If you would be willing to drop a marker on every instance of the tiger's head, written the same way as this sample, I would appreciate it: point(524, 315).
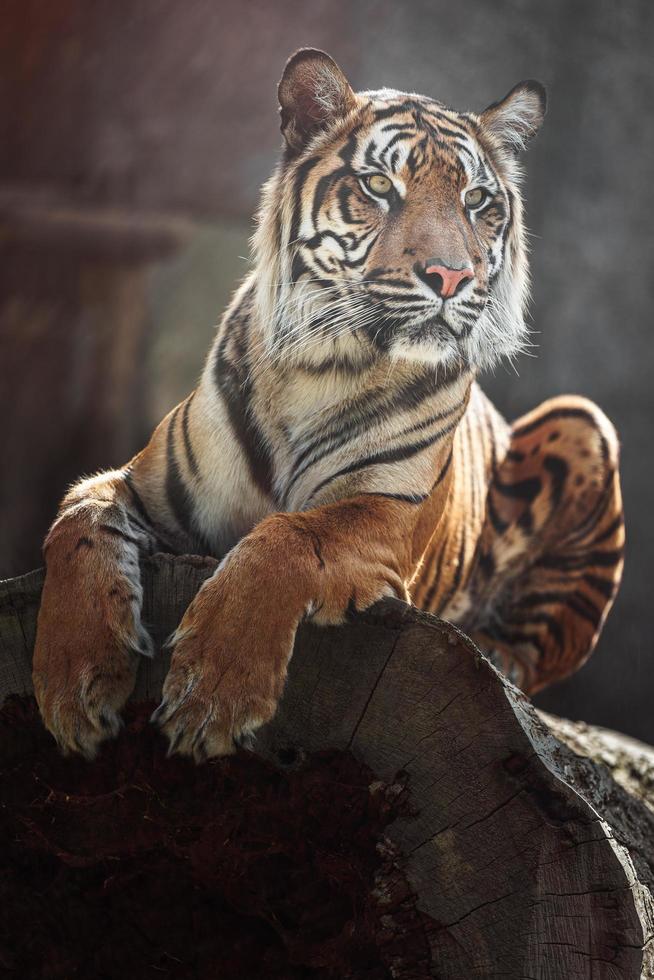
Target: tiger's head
point(393, 225)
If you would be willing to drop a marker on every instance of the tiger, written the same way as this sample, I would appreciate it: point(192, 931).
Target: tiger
point(338, 449)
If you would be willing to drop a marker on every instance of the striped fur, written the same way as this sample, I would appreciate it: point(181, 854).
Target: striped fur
point(338, 448)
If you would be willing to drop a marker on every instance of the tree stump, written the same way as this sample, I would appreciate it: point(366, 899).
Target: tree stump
point(530, 842)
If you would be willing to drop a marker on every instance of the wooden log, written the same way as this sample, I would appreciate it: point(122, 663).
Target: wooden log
point(530, 847)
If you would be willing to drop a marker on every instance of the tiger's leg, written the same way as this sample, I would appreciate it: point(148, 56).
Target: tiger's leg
point(550, 556)
point(89, 634)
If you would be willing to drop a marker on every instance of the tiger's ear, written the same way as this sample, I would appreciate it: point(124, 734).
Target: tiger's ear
point(519, 115)
point(313, 92)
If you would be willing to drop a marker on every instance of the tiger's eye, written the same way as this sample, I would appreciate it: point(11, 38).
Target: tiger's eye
point(379, 184)
point(474, 197)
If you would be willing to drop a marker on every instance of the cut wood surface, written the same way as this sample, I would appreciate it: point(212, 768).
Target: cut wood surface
point(531, 840)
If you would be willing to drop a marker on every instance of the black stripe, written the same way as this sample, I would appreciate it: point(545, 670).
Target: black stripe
point(558, 470)
point(190, 455)
point(486, 563)
point(608, 532)
point(392, 110)
point(146, 524)
point(390, 456)
point(399, 135)
point(347, 152)
point(457, 136)
point(324, 183)
point(443, 473)
point(301, 175)
point(527, 489)
point(513, 637)
point(138, 503)
point(380, 279)
point(425, 423)
point(416, 155)
point(338, 365)
point(595, 515)
point(489, 429)
point(499, 525)
point(456, 582)
point(235, 386)
point(369, 156)
point(407, 300)
point(526, 521)
point(117, 533)
point(605, 559)
point(584, 608)
point(355, 417)
point(355, 263)
point(577, 601)
point(176, 490)
point(604, 586)
point(553, 415)
point(414, 498)
point(569, 563)
point(431, 591)
point(298, 266)
point(552, 625)
point(547, 598)
point(404, 498)
point(343, 194)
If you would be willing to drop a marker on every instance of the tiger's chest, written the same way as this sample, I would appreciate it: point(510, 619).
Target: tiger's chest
point(382, 437)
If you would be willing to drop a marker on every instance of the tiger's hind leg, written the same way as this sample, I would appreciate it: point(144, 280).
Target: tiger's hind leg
point(550, 556)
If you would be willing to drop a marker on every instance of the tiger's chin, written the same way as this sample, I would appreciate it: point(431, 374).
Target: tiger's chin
point(429, 352)
point(475, 347)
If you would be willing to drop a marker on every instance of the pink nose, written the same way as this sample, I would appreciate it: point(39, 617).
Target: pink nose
point(450, 279)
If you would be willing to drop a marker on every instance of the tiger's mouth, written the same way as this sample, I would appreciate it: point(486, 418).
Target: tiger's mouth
point(432, 335)
point(435, 331)
point(447, 338)
point(474, 335)
point(440, 325)
point(456, 331)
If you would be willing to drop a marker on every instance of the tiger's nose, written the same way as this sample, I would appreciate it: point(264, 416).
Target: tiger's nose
point(443, 279)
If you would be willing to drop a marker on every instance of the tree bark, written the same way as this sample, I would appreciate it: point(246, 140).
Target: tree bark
point(530, 847)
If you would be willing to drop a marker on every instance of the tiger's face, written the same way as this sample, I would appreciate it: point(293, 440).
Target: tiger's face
point(396, 223)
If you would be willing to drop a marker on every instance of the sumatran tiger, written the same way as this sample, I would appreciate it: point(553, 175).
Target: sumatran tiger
point(338, 449)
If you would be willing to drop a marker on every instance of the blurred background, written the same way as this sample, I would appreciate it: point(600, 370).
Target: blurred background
point(134, 137)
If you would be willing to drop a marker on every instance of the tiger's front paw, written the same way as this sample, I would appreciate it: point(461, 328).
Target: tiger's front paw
point(209, 712)
point(82, 711)
point(84, 667)
point(215, 698)
point(226, 676)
